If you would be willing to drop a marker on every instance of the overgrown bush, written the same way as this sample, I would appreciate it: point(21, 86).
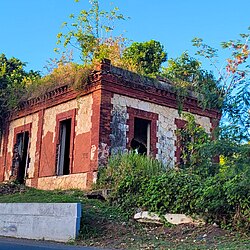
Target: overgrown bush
point(220, 196)
point(125, 174)
point(173, 191)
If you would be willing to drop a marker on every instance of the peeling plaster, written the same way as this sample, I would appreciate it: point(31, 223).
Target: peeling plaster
point(118, 128)
point(1, 145)
point(83, 117)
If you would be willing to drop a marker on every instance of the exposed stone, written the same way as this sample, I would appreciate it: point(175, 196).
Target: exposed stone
point(100, 194)
point(118, 129)
point(147, 217)
point(176, 219)
point(72, 181)
point(11, 188)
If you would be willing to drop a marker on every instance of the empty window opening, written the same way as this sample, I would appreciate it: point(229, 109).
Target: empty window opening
point(141, 140)
point(63, 150)
point(20, 160)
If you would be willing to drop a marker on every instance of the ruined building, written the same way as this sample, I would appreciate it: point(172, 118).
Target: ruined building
point(58, 140)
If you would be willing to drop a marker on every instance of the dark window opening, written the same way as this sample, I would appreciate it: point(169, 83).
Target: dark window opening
point(141, 140)
point(63, 148)
point(20, 157)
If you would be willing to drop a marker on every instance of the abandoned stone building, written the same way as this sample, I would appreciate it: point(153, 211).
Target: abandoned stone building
point(58, 140)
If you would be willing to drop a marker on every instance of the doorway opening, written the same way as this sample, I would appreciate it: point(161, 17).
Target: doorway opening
point(141, 140)
point(21, 151)
point(63, 150)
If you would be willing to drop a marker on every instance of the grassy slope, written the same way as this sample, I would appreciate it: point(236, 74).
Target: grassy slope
point(107, 226)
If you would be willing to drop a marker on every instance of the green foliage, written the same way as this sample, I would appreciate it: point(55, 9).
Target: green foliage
point(71, 74)
point(183, 70)
point(99, 219)
point(236, 113)
point(17, 85)
point(146, 57)
point(233, 82)
point(32, 195)
point(194, 143)
point(224, 198)
point(186, 74)
point(127, 171)
point(112, 49)
point(121, 165)
point(201, 185)
point(212, 202)
point(13, 82)
point(86, 32)
point(173, 191)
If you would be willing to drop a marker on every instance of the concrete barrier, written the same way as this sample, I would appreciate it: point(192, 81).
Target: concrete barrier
point(48, 221)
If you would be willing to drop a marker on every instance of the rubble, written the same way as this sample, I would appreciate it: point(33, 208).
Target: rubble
point(176, 219)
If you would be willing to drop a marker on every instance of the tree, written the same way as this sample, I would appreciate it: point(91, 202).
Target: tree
point(87, 31)
point(186, 72)
point(13, 82)
point(91, 33)
point(234, 84)
point(145, 57)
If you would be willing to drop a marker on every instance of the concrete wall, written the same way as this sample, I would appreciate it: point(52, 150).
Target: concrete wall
point(48, 221)
point(165, 125)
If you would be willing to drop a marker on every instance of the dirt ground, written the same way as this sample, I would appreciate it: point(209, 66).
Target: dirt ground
point(133, 235)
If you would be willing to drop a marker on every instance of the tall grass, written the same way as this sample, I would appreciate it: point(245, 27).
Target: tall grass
point(128, 164)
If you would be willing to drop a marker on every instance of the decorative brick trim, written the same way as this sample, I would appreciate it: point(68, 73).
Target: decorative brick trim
point(152, 117)
point(105, 117)
point(95, 132)
point(34, 180)
point(120, 85)
point(57, 96)
point(21, 129)
point(71, 114)
point(214, 125)
point(5, 150)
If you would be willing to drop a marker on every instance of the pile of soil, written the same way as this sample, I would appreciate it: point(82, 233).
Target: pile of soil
point(11, 188)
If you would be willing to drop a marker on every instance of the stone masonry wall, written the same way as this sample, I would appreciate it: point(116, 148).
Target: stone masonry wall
point(165, 126)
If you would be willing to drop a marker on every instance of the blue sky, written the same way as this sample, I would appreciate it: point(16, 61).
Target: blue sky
point(29, 27)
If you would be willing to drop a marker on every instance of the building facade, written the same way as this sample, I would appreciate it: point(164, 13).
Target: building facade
point(60, 139)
